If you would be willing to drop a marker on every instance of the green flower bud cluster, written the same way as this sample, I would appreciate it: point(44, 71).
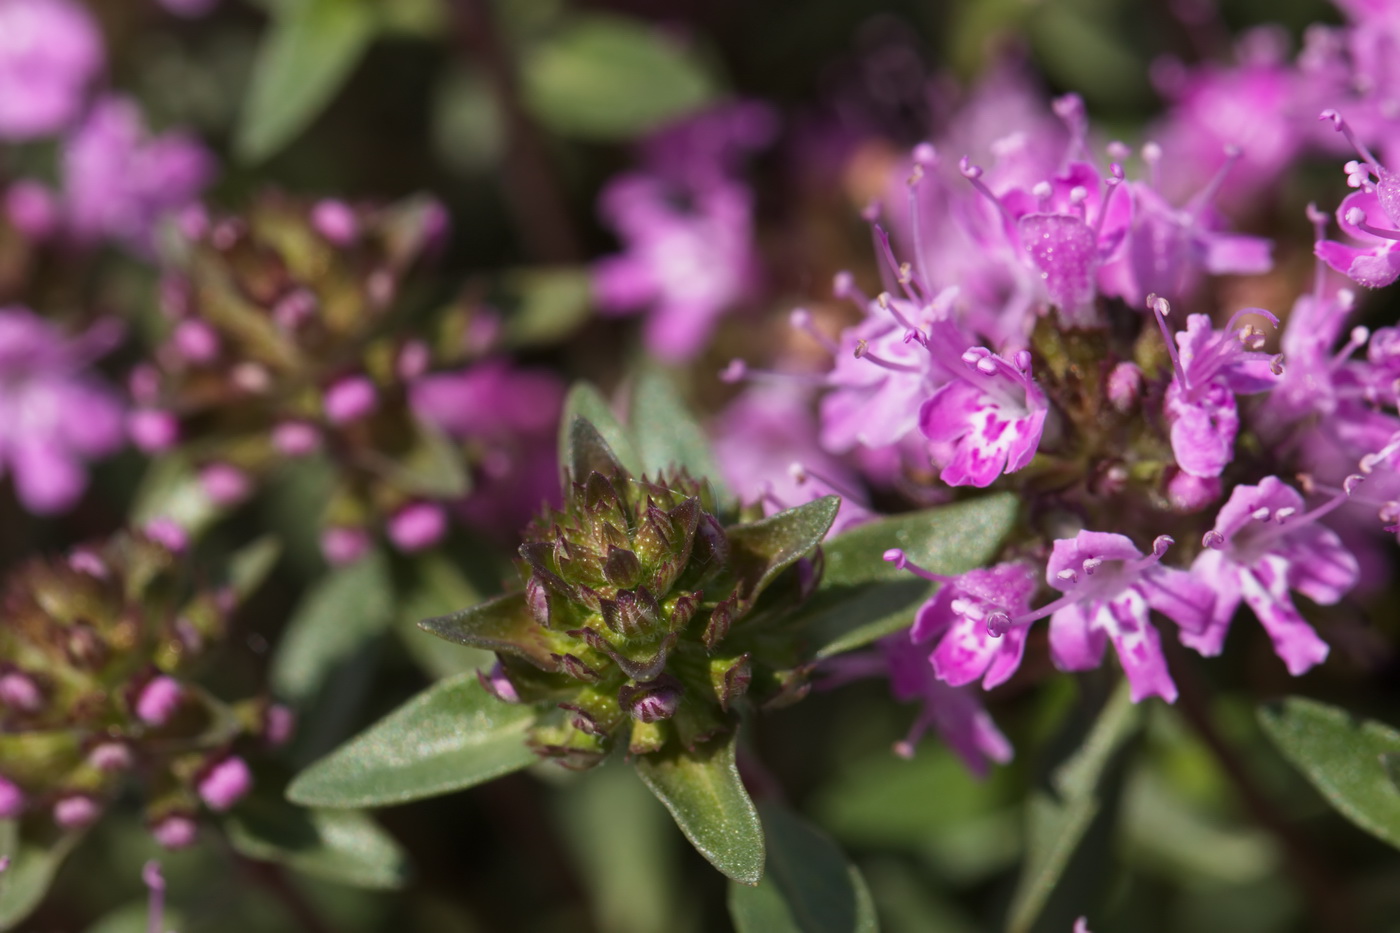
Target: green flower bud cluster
point(96, 652)
point(280, 345)
point(645, 616)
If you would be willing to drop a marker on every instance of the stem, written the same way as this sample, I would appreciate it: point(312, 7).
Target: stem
point(535, 198)
point(1324, 893)
point(274, 880)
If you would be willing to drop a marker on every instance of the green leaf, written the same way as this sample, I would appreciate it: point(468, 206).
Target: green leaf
point(948, 539)
point(623, 845)
point(451, 736)
point(667, 434)
point(437, 584)
point(346, 608)
point(502, 624)
point(431, 468)
point(552, 303)
point(708, 801)
point(250, 565)
point(171, 489)
point(32, 867)
point(307, 53)
point(1345, 758)
point(843, 618)
point(1061, 816)
point(808, 885)
point(345, 846)
point(577, 445)
point(763, 549)
point(609, 78)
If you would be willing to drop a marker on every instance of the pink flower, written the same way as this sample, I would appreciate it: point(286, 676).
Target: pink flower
point(417, 526)
point(985, 421)
point(1260, 549)
point(54, 415)
point(159, 700)
point(11, 799)
point(50, 50)
point(176, 831)
point(76, 811)
point(1110, 590)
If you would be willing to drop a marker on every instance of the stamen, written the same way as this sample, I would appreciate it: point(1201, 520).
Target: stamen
point(1342, 127)
point(1357, 218)
point(916, 227)
point(1207, 194)
point(1161, 308)
point(1113, 181)
point(973, 174)
point(1213, 540)
point(862, 352)
point(844, 286)
point(1319, 222)
point(801, 319)
point(901, 561)
point(1152, 157)
point(739, 371)
point(801, 474)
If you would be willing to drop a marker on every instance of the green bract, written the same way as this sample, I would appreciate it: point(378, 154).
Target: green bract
point(647, 611)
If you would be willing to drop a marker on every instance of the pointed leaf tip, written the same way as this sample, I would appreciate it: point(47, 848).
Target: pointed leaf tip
point(708, 801)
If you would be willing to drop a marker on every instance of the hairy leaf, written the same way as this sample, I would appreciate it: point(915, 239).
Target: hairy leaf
point(346, 846)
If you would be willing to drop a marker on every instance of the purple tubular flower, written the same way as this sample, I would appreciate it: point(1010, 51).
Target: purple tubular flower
point(350, 399)
point(152, 430)
point(225, 783)
point(1212, 367)
point(111, 757)
point(991, 417)
point(20, 693)
point(1260, 549)
point(225, 484)
point(1110, 589)
point(119, 182)
point(342, 545)
point(159, 700)
point(335, 220)
point(53, 415)
point(969, 617)
point(168, 533)
point(955, 712)
point(50, 50)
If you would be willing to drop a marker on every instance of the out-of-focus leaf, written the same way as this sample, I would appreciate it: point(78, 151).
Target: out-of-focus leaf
point(585, 403)
point(308, 51)
point(607, 77)
point(863, 597)
point(947, 539)
point(251, 564)
point(171, 489)
point(667, 434)
point(340, 613)
point(31, 871)
point(808, 885)
point(345, 846)
point(451, 736)
point(1343, 757)
point(432, 468)
point(708, 801)
point(425, 18)
point(622, 842)
point(437, 585)
point(502, 624)
point(468, 133)
point(1080, 48)
point(1060, 816)
point(551, 303)
point(763, 549)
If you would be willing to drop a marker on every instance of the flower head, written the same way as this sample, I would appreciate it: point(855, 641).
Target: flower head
point(50, 51)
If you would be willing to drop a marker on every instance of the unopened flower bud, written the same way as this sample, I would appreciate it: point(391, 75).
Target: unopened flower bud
point(335, 220)
point(176, 831)
point(498, 684)
point(1124, 386)
point(225, 783)
point(167, 533)
point(225, 484)
point(279, 723)
point(20, 693)
point(111, 757)
point(417, 526)
point(343, 544)
point(653, 701)
point(196, 341)
point(76, 811)
point(1188, 493)
point(350, 399)
point(295, 438)
point(152, 430)
point(158, 700)
point(11, 799)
